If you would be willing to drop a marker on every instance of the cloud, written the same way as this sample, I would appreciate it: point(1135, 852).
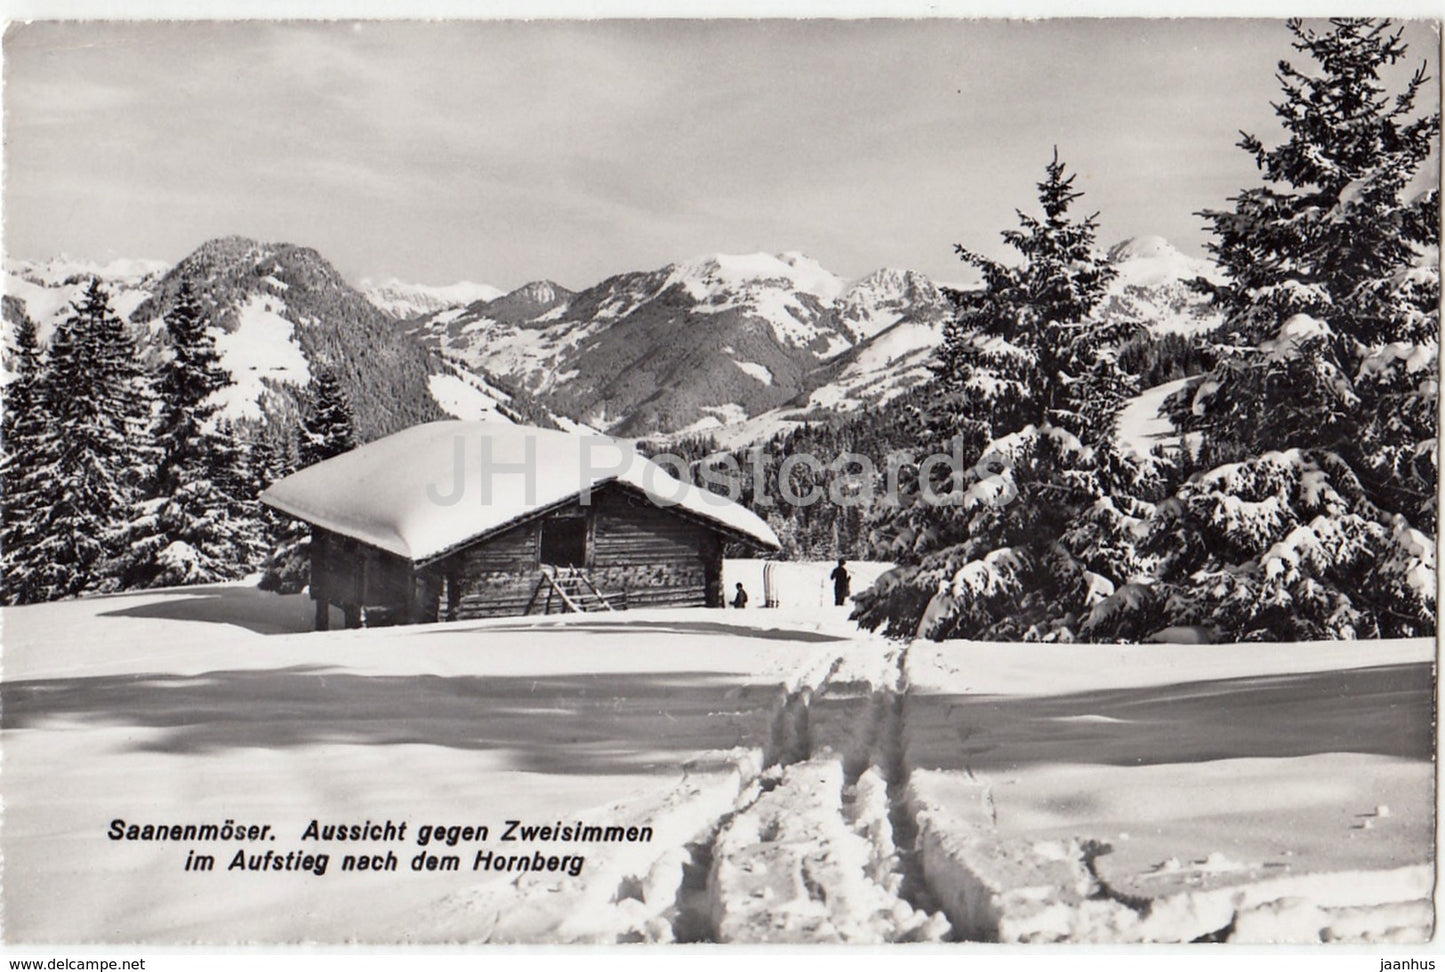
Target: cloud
point(60, 102)
point(508, 150)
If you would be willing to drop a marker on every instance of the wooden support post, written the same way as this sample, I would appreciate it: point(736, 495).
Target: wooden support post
point(323, 615)
point(454, 595)
point(353, 615)
point(535, 592)
point(713, 594)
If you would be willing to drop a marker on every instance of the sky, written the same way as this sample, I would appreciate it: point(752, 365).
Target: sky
point(508, 151)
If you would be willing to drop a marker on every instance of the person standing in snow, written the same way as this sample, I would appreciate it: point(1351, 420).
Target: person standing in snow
point(740, 599)
point(840, 582)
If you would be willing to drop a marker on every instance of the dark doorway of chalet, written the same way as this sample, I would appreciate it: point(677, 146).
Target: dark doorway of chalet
point(564, 541)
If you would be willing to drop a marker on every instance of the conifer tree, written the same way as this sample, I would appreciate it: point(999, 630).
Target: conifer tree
point(1316, 518)
point(23, 428)
point(123, 387)
point(328, 427)
point(1328, 262)
point(192, 526)
point(326, 431)
point(264, 465)
point(1026, 350)
point(94, 454)
point(1022, 401)
point(1330, 223)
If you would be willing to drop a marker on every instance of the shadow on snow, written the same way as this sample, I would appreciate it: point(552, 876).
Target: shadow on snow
point(639, 722)
point(270, 614)
point(576, 723)
point(245, 607)
point(1383, 710)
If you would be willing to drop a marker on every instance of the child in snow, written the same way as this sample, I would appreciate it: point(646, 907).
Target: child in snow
point(740, 599)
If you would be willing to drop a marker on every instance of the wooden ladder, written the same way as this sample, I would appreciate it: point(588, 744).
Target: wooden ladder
point(573, 588)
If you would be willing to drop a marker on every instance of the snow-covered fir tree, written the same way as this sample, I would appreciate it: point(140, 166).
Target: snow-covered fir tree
point(92, 457)
point(25, 487)
point(327, 429)
point(1026, 349)
point(1316, 512)
point(1020, 533)
point(193, 525)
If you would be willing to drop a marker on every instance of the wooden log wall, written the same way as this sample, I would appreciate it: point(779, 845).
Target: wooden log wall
point(658, 558)
point(491, 579)
point(654, 556)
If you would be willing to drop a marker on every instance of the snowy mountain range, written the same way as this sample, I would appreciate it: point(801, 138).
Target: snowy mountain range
point(279, 313)
point(46, 288)
point(737, 346)
point(62, 269)
point(757, 331)
point(1153, 285)
point(407, 300)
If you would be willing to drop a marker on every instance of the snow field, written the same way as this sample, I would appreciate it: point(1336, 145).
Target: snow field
point(183, 717)
point(1017, 889)
point(1140, 425)
point(468, 400)
point(1164, 794)
point(188, 716)
point(755, 371)
point(804, 781)
point(894, 359)
point(629, 892)
point(262, 348)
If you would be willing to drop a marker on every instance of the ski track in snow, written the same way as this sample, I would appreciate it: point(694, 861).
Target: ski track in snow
point(833, 838)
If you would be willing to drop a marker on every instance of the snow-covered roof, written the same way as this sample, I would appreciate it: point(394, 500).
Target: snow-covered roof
point(433, 487)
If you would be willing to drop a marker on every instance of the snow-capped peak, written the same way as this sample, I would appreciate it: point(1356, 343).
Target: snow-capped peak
point(407, 300)
point(1143, 248)
point(709, 275)
point(878, 301)
point(57, 270)
point(788, 290)
point(892, 284)
point(886, 279)
point(1148, 261)
point(538, 292)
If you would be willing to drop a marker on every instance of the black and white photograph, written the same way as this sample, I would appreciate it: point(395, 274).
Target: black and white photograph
point(954, 483)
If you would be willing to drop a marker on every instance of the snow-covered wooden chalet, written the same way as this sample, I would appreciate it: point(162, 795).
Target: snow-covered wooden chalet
point(457, 520)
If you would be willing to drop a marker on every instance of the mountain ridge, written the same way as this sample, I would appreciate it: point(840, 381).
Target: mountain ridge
point(753, 327)
point(694, 345)
point(404, 300)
